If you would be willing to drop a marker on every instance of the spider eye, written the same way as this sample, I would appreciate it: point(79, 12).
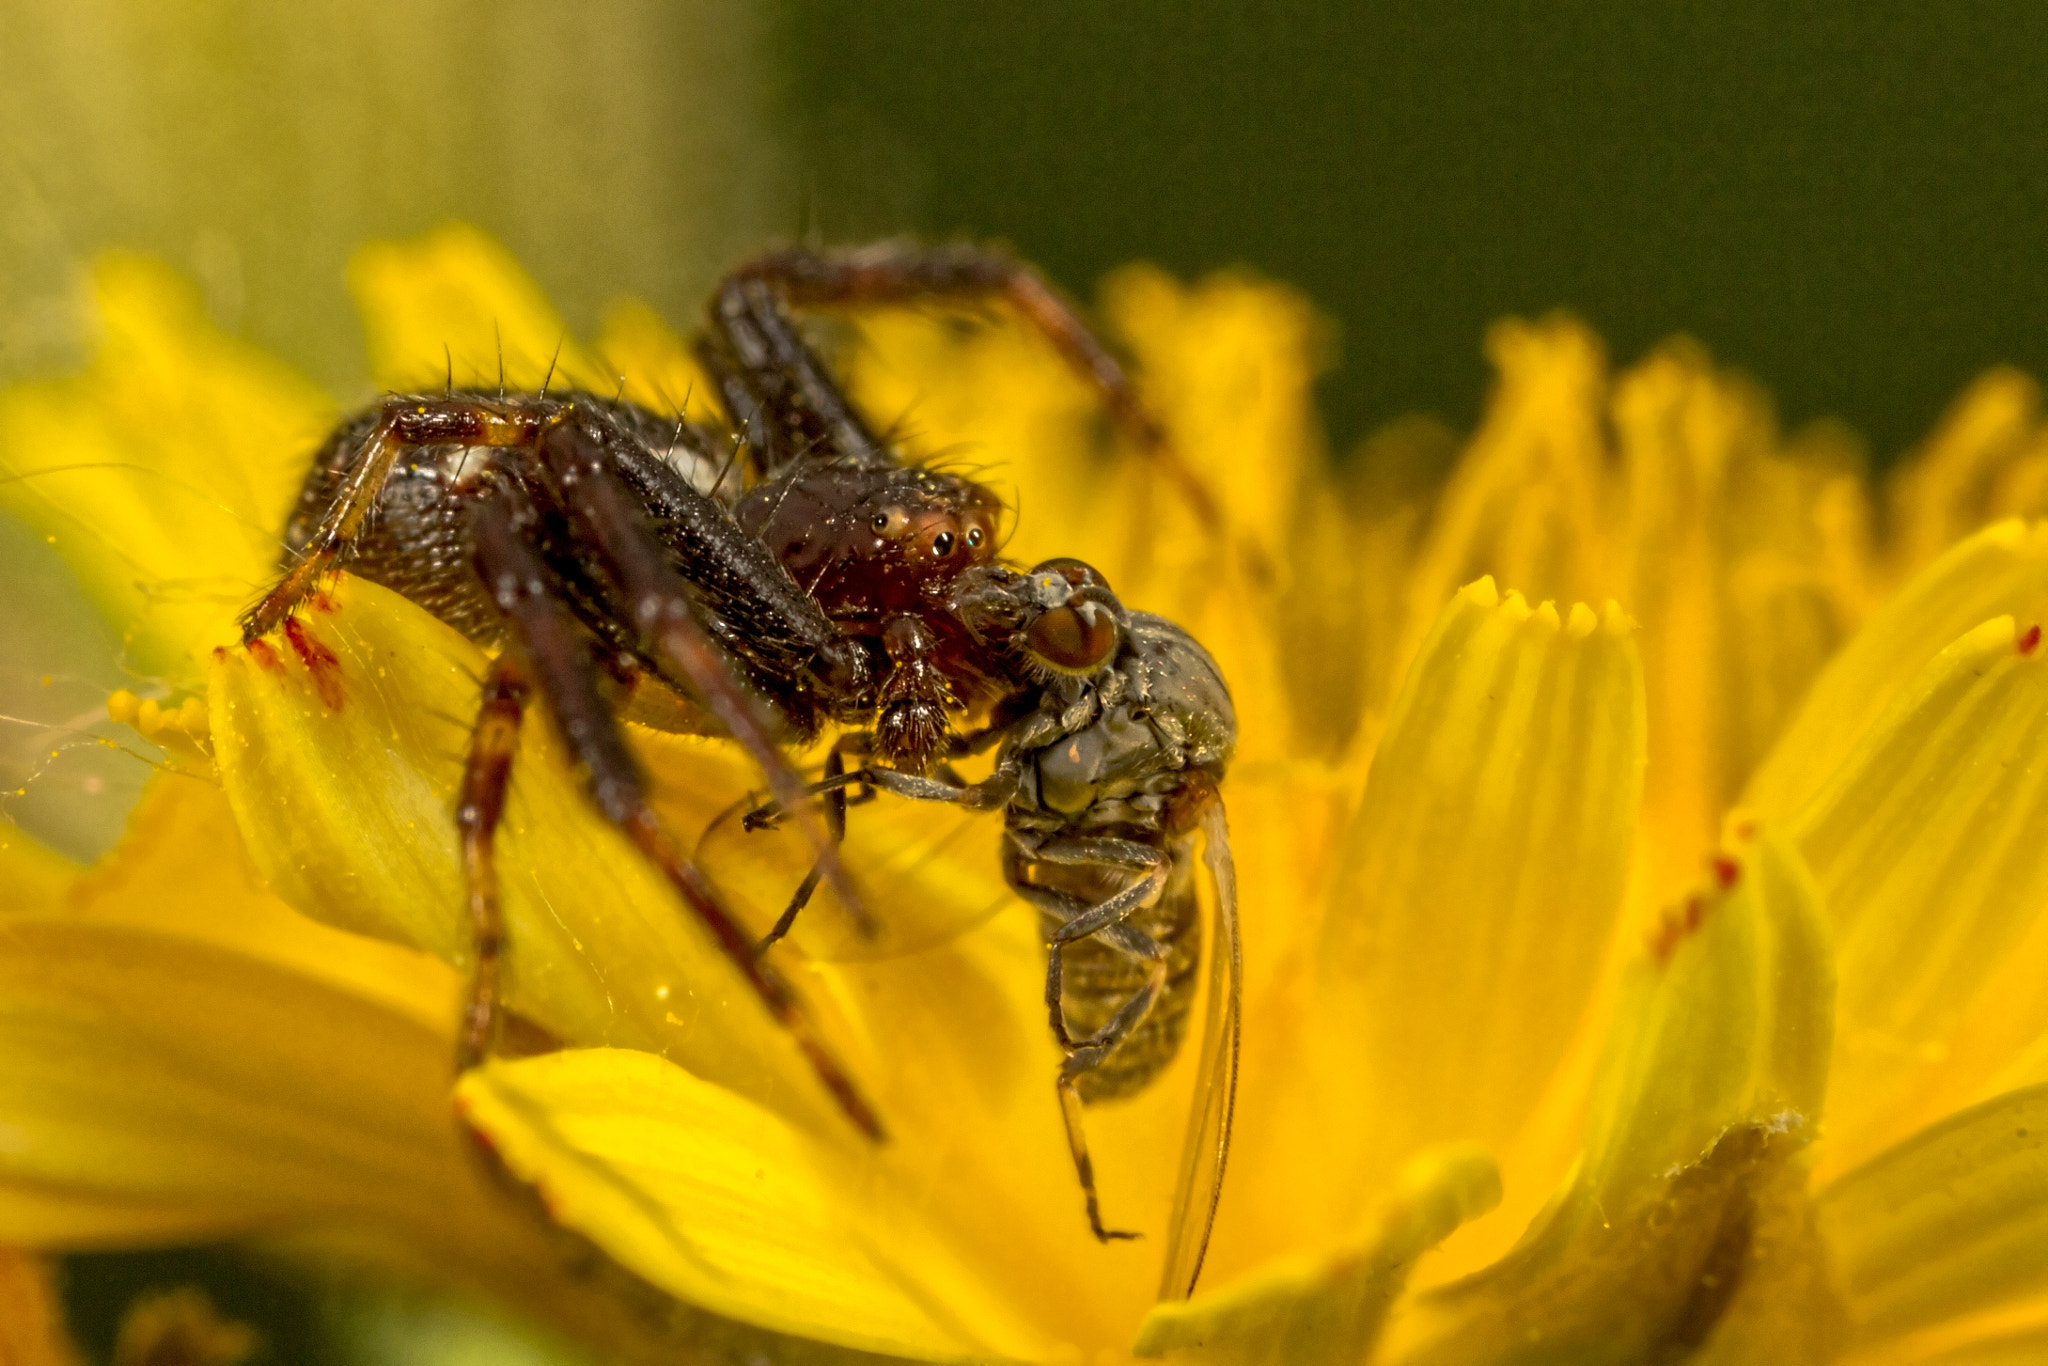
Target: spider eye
point(942, 544)
point(880, 522)
point(1073, 639)
point(974, 538)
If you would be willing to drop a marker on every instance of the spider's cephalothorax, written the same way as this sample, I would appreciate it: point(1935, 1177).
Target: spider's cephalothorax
point(612, 561)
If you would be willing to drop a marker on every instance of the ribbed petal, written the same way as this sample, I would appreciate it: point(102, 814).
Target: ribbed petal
point(1951, 1222)
point(162, 473)
point(454, 301)
point(342, 766)
point(1479, 880)
point(1930, 844)
point(157, 1088)
point(1681, 1230)
point(723, 1205)
point(2001, 570)
point(1327, 1307)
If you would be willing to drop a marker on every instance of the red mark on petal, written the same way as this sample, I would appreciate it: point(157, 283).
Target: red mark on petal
point(2030, 640)
point(319, 661)
point(1727, 872)
point(323, 601)
point(260, 651)
point(1678, 923)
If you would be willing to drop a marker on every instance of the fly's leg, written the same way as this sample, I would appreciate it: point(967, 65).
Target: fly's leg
point(903, 272)
point(486, 775)
point(1104, 921)
point(405, 423)
point(835, 824)
point(551, 646)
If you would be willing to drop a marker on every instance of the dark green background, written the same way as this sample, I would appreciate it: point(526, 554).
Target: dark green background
point(1845, 201)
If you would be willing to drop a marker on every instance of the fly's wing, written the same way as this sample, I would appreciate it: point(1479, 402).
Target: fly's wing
point(926, 870)
point(1207, 1145)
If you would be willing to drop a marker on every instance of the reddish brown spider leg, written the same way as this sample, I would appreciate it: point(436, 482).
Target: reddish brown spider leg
point(835, 822)
point(406, 422)
point(552, 647)
point(485, 776)
point(904, 273)
point(586, 478)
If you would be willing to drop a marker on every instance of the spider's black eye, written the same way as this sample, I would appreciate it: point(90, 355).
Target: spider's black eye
point(880, 522)
point(973, 537)
point(942, 544)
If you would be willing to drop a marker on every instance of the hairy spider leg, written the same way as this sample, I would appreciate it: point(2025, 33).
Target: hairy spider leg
point(905, 272)
point(550, 648)
point(406, 423)
point(486, 775)
point(577, 457)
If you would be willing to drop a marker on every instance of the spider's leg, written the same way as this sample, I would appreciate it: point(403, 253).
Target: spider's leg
point(486, 775)
point(904, 272)
point(577, 459)
point(406, 422)
point(553, 648)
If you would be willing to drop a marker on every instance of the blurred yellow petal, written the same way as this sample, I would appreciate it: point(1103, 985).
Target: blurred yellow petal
point(34, 876)
point(31, 1316)
point(1952, 1221)
point(1711, 1084)
point(342, 769)
point(658, 370)
point(453, 299)
point(725, 1206)
point(1944, 804)
point(155, 473)
point(2000, 571)
point(1479, 880)
point(1327, 1306)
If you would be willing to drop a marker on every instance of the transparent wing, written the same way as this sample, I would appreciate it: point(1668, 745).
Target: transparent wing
point(1207, 1145)
point(928, 872)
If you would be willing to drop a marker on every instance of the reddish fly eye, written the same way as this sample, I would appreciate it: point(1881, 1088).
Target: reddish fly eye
point(1073, 639)
point(1079, 573)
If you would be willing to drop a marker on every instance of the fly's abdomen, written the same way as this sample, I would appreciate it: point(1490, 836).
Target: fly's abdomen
point(1097, 979)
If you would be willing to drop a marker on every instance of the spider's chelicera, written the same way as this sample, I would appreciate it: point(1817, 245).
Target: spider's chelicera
point(613, 563)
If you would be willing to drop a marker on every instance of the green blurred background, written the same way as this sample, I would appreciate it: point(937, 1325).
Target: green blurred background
point(1844, 200)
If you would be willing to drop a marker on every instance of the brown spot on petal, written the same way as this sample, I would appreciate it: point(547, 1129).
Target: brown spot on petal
point(260, 651)
point(1677, 924)
point(2030, 639)
point(1727, 872)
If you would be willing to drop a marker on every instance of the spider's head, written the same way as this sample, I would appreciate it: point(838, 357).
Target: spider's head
point(871, 543)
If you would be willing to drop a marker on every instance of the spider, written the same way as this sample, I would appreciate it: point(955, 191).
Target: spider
point(600, 552)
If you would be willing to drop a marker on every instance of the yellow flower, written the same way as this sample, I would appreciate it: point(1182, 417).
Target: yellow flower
point(1641, 865)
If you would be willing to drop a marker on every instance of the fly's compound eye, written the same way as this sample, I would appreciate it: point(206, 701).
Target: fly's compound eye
point(1078, 573)
point(1076, 639)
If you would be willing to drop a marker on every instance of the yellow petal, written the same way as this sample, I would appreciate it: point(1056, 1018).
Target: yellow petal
point(156, 1089)
point(163, 472)
point(1953, 1221)
point(723, 1205)
point(2000, 570)
point(657, 367)
point(33, 877)
point(453, 299)
point(1480, 877)
point(1711, 1083)
point(31, 1316)
point(1327, 1306)
point(1944, 492)
point(1927, 844)
point(342, 776)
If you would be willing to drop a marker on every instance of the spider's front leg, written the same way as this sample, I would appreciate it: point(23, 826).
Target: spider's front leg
point(550, 655)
